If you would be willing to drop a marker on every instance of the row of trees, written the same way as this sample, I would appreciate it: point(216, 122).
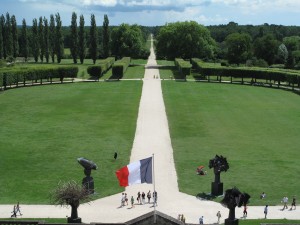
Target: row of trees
point(45, 40)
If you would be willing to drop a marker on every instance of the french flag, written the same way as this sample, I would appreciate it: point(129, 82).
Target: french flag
point(136, 173)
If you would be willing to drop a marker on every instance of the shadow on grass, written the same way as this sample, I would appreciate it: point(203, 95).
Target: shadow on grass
point(205, 196)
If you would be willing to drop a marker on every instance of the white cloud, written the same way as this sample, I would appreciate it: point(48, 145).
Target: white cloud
point(109, 3)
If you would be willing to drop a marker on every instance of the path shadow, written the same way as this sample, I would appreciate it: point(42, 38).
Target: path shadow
point(205, 196)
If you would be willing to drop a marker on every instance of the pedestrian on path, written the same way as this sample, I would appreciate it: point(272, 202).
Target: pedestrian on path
point(14, 212)
point(122, 200)
point(285, 201)
point(132, 202)
point(143, 198)
point(126, 199)
point(219, 216)
point(154, 198)
point(266, 211)
point(293, 203)
point(245, 211)
point(18, 209)
point(139, 198)
point(201, 220)
point(149, 196)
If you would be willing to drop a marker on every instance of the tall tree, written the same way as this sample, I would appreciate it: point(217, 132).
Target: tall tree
point(74, 37)
point(24, 46)
point(266, 48)
point(14, 31)
point(106, 37)
point(239, 47)
point(41, 39)
point(35, 40)
point(283, 53)
point(52, 38)
point(185, 40)
point(46, 39)
point(59, 39)
point(82, 41)
point(8, 37)
point(93, 39)
point(2, 21)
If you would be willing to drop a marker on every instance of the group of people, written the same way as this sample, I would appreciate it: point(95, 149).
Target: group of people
point(141, 198)
point(285, 203)
point(284, 200)
point(181, 218)
point(16, 210)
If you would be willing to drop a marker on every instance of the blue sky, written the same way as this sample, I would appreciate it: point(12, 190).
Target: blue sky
point(159, 12)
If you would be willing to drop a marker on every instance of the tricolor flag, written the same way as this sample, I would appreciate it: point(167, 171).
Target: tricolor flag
point(136, 173)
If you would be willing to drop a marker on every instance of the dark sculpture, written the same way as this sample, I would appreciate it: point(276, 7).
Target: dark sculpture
point(219, 163)
point(88, 181)
point(233, 197)
point(71, 194)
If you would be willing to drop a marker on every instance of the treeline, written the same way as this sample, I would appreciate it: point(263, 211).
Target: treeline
point(45, 40)
point(259, 46)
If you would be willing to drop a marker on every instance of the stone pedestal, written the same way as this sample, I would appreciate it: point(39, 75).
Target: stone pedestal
point(231, 222)
point(77, 220)
point(88, 184)
point(216, 189)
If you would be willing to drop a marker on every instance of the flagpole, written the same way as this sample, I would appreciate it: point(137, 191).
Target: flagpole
point(154, 197)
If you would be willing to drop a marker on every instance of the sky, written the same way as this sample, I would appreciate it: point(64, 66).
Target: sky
point(159, 12)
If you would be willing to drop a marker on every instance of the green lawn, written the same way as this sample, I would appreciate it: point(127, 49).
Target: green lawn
point(45, 129)
point(257, 129)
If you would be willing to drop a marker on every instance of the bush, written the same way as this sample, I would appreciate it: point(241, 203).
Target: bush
point(95, 71)
point(13, 76)
point(183, 66)
point(120, 67)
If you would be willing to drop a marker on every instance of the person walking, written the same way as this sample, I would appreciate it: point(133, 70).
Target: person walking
point(132, 202)
point(154, 198)
point(123, 200)
point(219, 216)
point(126, 199)
point(266, 211)
point(18, 209)
point(285, 201)
point(245, 211)
point(201, 220)
point(14, 212)
point(139, 198)
point(149, 196)
point(143, 198)
point(293, 203)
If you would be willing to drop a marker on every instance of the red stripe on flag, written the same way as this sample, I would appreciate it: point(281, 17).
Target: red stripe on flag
point(122, 175)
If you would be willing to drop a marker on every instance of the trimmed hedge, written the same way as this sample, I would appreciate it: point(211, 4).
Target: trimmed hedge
point(15, 76)
point(120, 67)
point(97, 71)
point(183, 66)
point(292, 77)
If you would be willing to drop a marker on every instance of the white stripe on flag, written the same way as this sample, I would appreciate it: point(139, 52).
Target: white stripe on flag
point(134, 173)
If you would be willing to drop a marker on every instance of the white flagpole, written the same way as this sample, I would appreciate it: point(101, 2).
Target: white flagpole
point(155, 196)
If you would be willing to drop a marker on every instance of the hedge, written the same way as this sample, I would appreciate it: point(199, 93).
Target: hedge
point(120, 67)
point(97, 71)
point(269, 74)
point(183, 66)
point(15, 76)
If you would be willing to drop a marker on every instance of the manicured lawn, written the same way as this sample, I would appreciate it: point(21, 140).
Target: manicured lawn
point(256, 222)
point(257, 129)
point(45, 129)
